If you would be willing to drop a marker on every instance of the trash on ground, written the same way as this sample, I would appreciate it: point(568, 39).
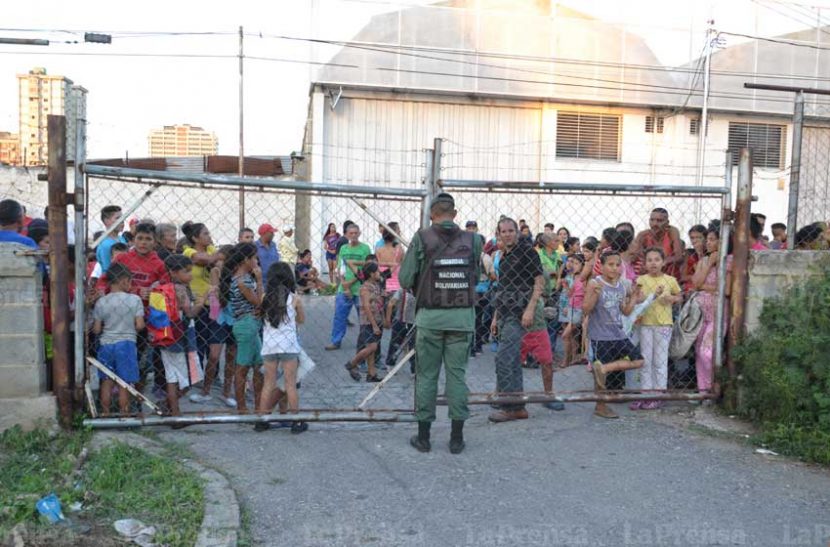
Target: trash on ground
point(138, 532)
point(50, 507)
point(765, 452)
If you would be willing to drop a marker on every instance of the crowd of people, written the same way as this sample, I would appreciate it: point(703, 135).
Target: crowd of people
point(167, 307)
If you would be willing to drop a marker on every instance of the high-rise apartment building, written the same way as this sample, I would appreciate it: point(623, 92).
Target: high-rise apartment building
point(182, 140)
point(9, 148)
point(40, 95)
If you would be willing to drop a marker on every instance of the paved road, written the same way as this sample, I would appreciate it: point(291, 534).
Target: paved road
point(556, 479)
point(563, 478)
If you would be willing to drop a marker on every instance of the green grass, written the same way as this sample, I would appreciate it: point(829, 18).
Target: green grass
point(129, 483)
point(33, 464)
point(117, 482)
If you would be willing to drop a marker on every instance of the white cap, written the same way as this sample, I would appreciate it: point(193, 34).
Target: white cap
point(287, 228)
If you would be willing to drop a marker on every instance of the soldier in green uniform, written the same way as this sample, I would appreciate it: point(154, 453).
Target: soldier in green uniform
point(441, 266)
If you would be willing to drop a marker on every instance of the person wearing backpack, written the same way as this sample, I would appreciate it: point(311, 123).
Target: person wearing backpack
point(175, 355)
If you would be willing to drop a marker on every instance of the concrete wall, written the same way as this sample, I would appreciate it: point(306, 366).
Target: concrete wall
point(23, 397)
point(773, 272)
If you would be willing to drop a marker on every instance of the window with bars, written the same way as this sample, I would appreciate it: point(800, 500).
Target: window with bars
point(654, 125)
point(767, 142)
point(694, 126)
point(587, 136)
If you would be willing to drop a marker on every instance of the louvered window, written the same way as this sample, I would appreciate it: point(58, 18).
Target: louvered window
point(654, 125)
point(694, 126)
point(587, 136)
point(767, 143)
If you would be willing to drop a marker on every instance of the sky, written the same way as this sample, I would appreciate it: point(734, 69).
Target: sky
point(130, 94)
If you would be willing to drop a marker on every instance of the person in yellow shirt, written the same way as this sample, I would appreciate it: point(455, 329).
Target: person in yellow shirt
point(288, 249)
point(656, 325)
point(209, 334)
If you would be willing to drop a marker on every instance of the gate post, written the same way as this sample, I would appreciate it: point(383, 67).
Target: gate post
point(740, 268)
point(62, 376)
point(720, 310)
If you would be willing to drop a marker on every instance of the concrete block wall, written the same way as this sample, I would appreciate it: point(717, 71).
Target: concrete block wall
point(23, 397)
point(773, 272)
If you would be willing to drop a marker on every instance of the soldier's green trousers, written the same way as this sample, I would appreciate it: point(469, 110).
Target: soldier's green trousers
point(453, 349)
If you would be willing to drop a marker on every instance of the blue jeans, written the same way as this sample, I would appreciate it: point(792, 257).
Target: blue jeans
point(343, 304)
point(508, 368)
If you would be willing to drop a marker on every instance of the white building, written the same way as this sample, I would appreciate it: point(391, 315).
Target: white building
point(535, 91)
point(39, 96)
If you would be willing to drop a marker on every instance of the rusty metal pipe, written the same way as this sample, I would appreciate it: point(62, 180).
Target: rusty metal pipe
point(586, 397)
point(213, 419)
point(62, 377)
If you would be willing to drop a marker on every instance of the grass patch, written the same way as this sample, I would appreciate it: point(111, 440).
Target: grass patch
point(129, 483)
point(117, 482)
point(33, 464)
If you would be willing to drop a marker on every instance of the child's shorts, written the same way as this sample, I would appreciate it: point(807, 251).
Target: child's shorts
point(367, 336)
point(537, 344)
point(121, 358)
point(606, 351)
point(248, 342)
point(576, 317)
point(175, 368)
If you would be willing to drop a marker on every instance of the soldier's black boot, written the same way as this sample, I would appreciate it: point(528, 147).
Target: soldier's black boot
point(457, 437)
point(421, 440)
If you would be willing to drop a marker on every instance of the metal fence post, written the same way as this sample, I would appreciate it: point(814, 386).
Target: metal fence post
point(79, 199)
point(795, 169)
point(428, 187)
point(740, 267)
point(723, 252)
point(62, 379)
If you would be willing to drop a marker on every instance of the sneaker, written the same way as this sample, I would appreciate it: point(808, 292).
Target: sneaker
point(299, 427)
point(353, 372)
point(508, 415)
point(651, 405)
point(332, 347)
point(373, 379)
point(554, 405)
point(198, 398)
point(229, 401)
point(606, 413)
point(636, 405)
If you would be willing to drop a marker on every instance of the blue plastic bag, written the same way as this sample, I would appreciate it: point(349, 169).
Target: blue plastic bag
point(50, 507)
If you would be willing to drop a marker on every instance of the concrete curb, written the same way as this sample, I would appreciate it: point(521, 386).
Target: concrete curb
point(221, 522)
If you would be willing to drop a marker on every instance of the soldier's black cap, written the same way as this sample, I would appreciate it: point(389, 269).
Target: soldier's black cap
point(443, 197)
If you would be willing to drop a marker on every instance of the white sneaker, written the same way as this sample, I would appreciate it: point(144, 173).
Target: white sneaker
point(199, 398)
point(230, 401)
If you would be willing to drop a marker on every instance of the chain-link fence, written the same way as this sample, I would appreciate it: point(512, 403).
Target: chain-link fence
point(814, 181)
point(272, 291)
point(580, 286)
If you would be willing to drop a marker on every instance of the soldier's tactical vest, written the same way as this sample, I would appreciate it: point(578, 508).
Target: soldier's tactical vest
point(449, 279)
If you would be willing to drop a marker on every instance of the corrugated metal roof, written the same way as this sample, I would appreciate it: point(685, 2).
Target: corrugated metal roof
point(255, 166)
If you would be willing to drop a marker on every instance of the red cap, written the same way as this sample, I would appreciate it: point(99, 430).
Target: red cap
point(133, 221)
point(265, 228)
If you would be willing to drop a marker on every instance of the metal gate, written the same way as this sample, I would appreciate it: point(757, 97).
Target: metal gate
point(169, 199)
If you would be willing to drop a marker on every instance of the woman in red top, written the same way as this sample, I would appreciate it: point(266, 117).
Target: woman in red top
point(697, 238)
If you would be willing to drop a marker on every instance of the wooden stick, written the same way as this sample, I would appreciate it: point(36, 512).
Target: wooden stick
point(362, 205)
point(90, 401)
point(112, 376)
point(386, 378)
